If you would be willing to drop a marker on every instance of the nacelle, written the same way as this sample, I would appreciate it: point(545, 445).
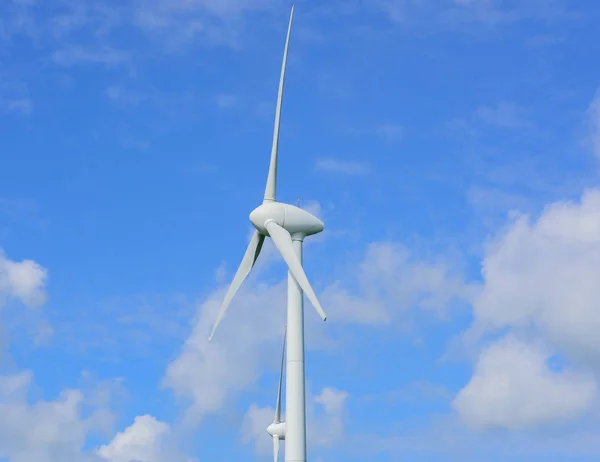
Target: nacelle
point(277, 429)
point(294, 220)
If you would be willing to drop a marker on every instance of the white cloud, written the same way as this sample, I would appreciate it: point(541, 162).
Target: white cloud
point(542, 274)
point(14, 385)
point(333, 402)
point(490, 200)
point(347, 307)
point(77, 55)
point(24, 280)
point(143, 441)
point(504, 114)
point(45, 431)
point(182, 21)
point(389, 276)
point(14, 95)
point(58, 429)
point(432, 13)
point(324, 420)
point(387, 284)
point(540, 281)
point(63, 23)
point(254, 428)
point(454, 441)
point(48, 431)
point(206, 373)
point(224, 9)
point(97, 17)
point(21, 106)
point(342, 166)
point(513, 387)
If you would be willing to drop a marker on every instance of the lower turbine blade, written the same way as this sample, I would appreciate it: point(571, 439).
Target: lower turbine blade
point(283, 242)
point(278, 406)
point(275, 448)
point(252, 253)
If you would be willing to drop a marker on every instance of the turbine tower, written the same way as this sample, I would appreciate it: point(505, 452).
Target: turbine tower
point(287, 226)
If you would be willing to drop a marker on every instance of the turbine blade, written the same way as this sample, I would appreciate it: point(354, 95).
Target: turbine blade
point(271, 188)
point(278, 406)
point(275, 448)
point(252, 253)
point(283, 242)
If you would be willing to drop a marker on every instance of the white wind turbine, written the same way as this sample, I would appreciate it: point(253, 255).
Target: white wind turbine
point(277, 428)
point(287, 225)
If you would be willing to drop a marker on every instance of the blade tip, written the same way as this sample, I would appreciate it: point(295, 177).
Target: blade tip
point(212, 334)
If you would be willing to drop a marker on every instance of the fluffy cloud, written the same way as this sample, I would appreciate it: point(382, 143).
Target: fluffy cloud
point(433, 13)
point(504, 115)
point(342, 166)
point(145, 440)
point(540, 282)
point(254, 427)
point(205, 373)
point(221, 8)
point(24, 281)
point(392, 281)
point(45, 431)
point(58, 430)
point(330, 428)
point(324, 420)
point(53, 430)
point(183, 21)
point(513, 387)
point(388, 283)
point(543, 275)
point(61, 24)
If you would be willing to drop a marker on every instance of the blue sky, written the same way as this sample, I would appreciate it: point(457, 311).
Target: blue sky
point(451, 148)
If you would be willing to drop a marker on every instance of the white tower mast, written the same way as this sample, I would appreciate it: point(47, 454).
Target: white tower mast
point(295, 397)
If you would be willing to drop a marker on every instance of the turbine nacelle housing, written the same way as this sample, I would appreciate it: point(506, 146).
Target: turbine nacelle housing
point(277, 429)
point(296, 221)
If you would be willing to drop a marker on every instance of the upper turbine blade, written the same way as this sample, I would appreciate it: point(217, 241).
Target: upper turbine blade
point(252, 253)
point(283, 242)
point(278, 406)
point(271, 188)
point(275, 448)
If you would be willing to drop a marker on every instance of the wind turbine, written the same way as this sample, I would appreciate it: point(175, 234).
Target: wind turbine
point(277, 428)
point(287, 226)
